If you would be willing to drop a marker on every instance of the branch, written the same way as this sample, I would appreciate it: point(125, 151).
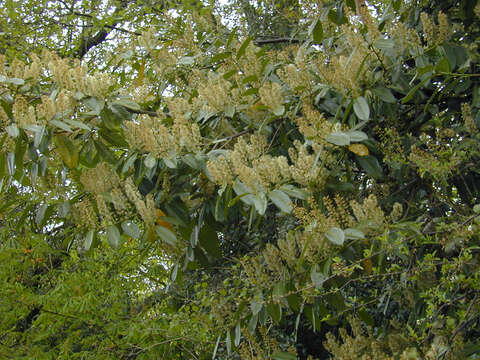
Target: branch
point(260, 42)
point(89, 42)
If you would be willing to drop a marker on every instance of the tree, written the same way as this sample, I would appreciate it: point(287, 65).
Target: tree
point(254, 180)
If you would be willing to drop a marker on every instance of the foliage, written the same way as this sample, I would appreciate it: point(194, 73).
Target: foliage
point(255, 180)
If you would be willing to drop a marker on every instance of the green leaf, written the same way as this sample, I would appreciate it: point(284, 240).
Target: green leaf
point(295, 192)
point(443, 66)
point(384, 94)
point(129, 104)
point(61, 125)
point(260, 202)
point(88, 240)
point(166, 235)
point(238, 334)
point(228, 341)
point(339, 138)
point(131, 229)
point(94, 104)
point(357, 136)
point(216, 347)
point(67, 150)
point(113, 236)
point(283, 355)
point(275, 311)
point(412, 92)
point(39, 217)
point(281, 200)
point(186, 60)
point(370, 165)
point(252, 324)
point(353, 234)
point(77, 124)
point(317, 277)
point(316, 31)
point(243, 47)
point(384, 44)
point(279, 110)
point(256, 304)
point(335, 236)
point(360, 106)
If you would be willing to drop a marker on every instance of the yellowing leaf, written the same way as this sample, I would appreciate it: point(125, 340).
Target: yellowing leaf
point(67, 150)
point(359, 149)
point(160, 215)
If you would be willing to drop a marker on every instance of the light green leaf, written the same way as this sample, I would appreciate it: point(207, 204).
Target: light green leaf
point(360, 106)
point(339, 138)
point(40, 214)
point(281, 200)
point(476, 208)
point(61, 125)
point(150, 161)
point(166, 235)
point(77, 124)
point(12, 130)
point(238, 334)
point(353, 234)
point(295, 192)
point(113, 236)
point(260, 202)
point(357, 136)
point(186, 60)
point(384, 44)
point(129, 104)
point(318, 278)
point(257, 303)
point(336, 236)
point(87, 242)
point(279, 110)
point(94, 104)
point(131, 229)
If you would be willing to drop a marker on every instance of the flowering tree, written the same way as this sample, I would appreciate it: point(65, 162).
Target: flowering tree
point(254, 180)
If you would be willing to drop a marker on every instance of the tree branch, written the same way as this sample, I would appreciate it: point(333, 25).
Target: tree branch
point(260, 42)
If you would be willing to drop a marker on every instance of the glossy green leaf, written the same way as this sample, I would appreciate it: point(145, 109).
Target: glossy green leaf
point(131, 229)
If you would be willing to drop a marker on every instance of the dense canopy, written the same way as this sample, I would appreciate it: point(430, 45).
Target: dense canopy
point(239, 179)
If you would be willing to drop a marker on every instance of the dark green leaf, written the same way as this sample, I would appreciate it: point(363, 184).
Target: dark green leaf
point(370, 165)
